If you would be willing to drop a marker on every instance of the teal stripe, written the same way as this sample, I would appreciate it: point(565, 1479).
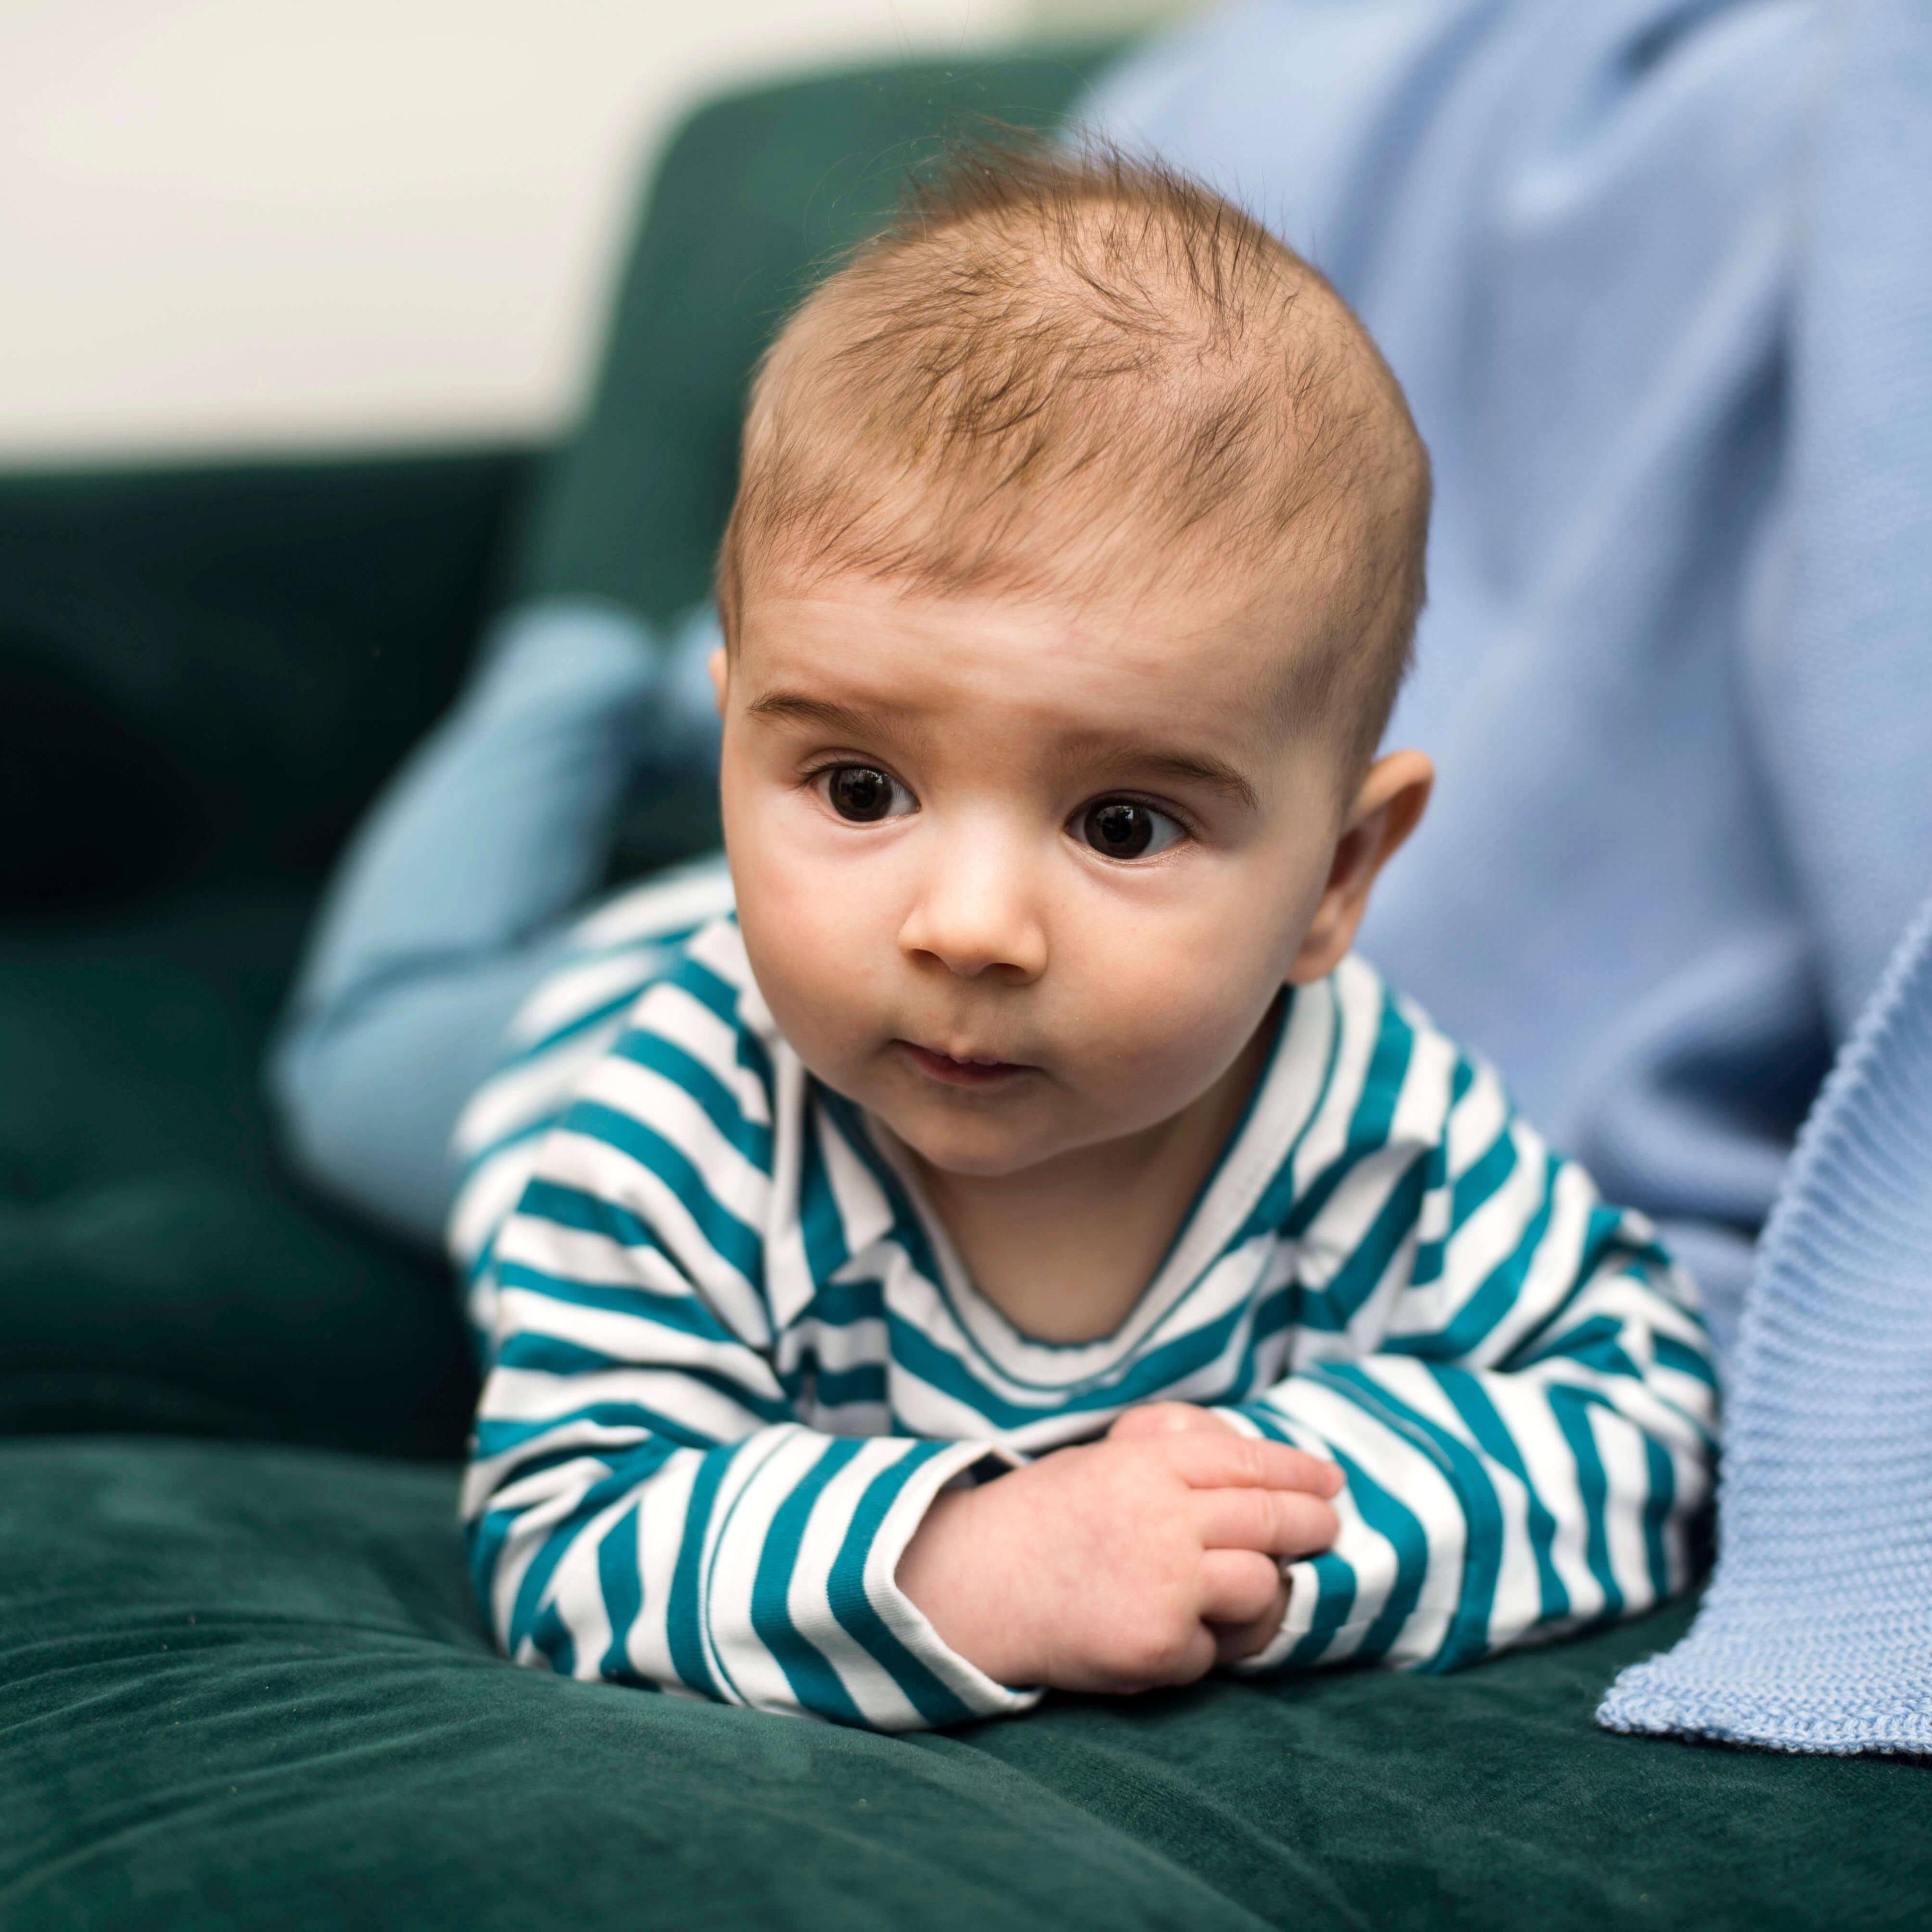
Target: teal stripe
point(1277, 1201)
point(1596, 1342)
point(1334, 1602)
point(814, 1682)
point(497, 1436)
point(660, 1054)
point(1467, 1637)
point(1673, 1353)
point(620, 1580)
point(727, 1237)
point(819, 1221)
point(549, 1354)
point(1394, 1520)
point(866, 1383)
point(855, 1610)
point(1571, 1409)
point(584, 1213)
point(1137, 1378)
point(1502, 1289)
point(683, 1608)
point(524, 1621)
point(842, 1304)
point(755, 1059)
point(1658, 1507)
point(1382, 1087)
point(684, 1314)
point(608, 1007)
point(1465, 1389)
point(551, 1637)
point(710, 989)
point(1332, 1308)
point(1368, 1123)
point(1480, 1180)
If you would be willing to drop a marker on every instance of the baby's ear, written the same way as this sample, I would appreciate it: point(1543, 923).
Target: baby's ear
point(1388, 807)
point(720, 668)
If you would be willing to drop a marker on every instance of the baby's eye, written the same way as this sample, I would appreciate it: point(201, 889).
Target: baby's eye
point(1124, 828)
point(863, 793)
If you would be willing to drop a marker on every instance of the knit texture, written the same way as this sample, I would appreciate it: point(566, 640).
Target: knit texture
point(1816, 1634)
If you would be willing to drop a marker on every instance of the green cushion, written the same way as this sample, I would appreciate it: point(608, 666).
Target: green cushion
point(244, 1689)
point(756, 193)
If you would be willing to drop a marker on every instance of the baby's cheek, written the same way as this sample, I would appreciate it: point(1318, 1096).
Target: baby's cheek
point(815, 963)
point(1161, 1033)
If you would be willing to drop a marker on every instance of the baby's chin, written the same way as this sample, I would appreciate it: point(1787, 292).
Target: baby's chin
point(970, 1137)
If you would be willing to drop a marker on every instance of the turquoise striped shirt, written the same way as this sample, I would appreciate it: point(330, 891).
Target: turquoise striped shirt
point(731, 1356)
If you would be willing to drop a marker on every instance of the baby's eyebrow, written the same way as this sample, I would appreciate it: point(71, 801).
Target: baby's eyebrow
point(794, 707)
point(1201, 768)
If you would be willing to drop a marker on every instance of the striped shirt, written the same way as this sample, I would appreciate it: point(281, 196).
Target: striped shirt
point(732, 1356)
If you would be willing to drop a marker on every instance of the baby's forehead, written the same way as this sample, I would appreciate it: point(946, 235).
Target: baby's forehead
point(1076, 674)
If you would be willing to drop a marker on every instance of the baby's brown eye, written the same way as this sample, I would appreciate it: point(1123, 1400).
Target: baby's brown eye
point(1124, 828)
point(861, 793)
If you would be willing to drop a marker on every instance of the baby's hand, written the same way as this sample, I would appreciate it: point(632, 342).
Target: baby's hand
point(1148, 1420)
point(1142, 1560)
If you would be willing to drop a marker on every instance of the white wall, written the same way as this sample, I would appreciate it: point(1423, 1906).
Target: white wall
point(228, 224)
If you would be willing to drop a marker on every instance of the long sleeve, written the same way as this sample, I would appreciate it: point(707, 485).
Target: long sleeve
point(1512, 1376)
point(642, 1505)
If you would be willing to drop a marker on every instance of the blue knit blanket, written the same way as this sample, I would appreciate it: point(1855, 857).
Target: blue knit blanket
point(1816, 1633)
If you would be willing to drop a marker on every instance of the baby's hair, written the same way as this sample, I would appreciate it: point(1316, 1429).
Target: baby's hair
point(1060, 369)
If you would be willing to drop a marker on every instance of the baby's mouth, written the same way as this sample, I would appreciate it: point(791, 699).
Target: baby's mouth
point(971, 1070)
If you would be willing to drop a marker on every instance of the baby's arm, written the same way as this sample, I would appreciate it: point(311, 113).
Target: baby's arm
point(1526, 1423)
point(640, 1506)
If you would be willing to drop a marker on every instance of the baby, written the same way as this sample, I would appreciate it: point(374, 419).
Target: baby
point(1030, 1100)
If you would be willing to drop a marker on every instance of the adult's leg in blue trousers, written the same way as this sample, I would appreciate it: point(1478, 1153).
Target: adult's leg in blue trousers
point(454, 897)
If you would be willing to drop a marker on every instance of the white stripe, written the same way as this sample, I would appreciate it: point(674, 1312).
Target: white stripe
point(744, 1517)
point(597, 1168)
point(568, 995)
point(655, 1101)
point(531, 1091)
point(635, 1340)
point(686, 898)
point(534, 1395)
point(676, 1014)
point(491, 1193)
point(579, 1254)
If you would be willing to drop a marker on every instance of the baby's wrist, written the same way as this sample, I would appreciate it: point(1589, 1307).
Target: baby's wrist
point(947, 1572)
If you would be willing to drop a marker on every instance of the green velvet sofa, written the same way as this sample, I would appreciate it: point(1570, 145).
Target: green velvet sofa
point(241, 1683)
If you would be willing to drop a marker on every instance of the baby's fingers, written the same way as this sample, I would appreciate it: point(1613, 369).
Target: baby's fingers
point(1238, 1587)
point(1220, 1460)
point(1278, 1522)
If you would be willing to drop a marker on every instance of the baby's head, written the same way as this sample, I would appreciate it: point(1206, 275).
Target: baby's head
point(1077, 552)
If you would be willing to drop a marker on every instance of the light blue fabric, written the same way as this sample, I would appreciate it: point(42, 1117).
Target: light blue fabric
point(451, 902)
point(1657, 277)
point(1675, 667)
point(1816, 1633)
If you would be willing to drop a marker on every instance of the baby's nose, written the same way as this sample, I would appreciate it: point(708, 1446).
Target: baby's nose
point(978, 916)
